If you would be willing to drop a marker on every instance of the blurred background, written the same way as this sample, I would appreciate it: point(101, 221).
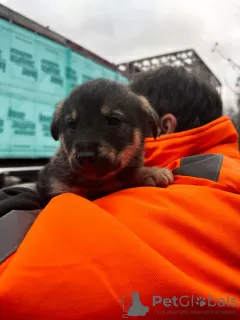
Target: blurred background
point(48, 47)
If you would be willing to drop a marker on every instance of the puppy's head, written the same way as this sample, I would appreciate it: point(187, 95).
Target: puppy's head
point(102, 126)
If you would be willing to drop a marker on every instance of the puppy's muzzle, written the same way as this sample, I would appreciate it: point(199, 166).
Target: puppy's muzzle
point(89, 160)
point(87, 152)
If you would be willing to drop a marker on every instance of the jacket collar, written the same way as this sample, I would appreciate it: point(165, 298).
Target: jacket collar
point(206, 139)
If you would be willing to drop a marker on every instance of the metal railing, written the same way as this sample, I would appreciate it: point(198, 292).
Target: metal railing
point(10, 176)
point(20, 169)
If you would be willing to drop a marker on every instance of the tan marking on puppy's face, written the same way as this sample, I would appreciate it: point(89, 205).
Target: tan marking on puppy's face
point(118, 113)
point(129, 152)
point(105, 109)
point(107, 151)
point(63, 148)
point(72, 157)
point(63, 145)
point(74, 115)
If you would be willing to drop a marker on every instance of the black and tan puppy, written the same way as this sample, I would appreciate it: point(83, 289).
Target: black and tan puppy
point(101, 126)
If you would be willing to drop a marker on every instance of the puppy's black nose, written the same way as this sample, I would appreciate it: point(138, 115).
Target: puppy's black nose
point(87, 152)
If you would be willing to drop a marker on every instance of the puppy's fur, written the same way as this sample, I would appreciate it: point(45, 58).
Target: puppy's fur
point(101, 126)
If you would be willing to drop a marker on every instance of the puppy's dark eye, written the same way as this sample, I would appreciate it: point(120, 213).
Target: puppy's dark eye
point(114, 122)
point(71, 125)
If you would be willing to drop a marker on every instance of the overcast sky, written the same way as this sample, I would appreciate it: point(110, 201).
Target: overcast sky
point(123, 30)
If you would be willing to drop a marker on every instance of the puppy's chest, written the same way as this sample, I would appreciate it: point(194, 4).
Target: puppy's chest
point(91, 190)
point(97, 189)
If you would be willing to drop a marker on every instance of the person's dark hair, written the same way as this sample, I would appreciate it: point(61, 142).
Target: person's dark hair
point(174, 90)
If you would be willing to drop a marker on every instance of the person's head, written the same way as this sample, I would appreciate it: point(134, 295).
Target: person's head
point(182, 100)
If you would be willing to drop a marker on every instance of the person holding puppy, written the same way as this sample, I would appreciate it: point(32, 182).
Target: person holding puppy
point(164, 249)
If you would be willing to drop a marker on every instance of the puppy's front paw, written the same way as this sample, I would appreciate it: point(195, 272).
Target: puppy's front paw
point(154, 176)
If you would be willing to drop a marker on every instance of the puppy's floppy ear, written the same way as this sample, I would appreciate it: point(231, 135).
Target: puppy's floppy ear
point(54, 128)
point(152, 117)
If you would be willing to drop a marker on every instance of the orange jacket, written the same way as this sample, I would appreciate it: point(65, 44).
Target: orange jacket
point(84, 260)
